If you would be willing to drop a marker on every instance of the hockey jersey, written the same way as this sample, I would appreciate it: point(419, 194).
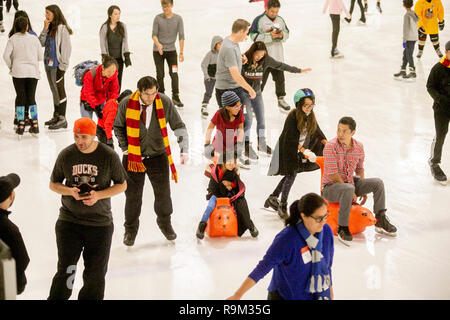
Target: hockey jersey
point(430, 14)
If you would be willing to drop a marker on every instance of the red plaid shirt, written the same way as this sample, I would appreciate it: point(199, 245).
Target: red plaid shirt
point(339, 160)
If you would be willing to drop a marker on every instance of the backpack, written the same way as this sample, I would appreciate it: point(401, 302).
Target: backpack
point(82, 68)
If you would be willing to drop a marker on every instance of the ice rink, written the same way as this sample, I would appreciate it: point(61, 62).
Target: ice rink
point(394, 122)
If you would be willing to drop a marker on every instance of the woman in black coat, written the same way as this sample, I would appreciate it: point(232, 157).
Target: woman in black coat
point(296, 149)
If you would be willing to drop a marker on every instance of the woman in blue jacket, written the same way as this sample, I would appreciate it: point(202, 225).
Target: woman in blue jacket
point(301, 255)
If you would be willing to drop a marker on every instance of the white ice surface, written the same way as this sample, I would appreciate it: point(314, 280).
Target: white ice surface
point(394, 121)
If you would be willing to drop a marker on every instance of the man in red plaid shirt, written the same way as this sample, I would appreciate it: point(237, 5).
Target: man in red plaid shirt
point(344, 156)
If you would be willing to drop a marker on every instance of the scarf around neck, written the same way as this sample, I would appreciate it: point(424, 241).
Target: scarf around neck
point(320, 280)
point(132, 115)
point(445, 62)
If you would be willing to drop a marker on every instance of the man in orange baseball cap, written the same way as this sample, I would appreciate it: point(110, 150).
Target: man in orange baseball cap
point(82, 174)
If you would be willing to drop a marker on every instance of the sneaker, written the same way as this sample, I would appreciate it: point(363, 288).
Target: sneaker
point(176, 100)
point(383, 225)
point(419, 54)
point(244, 163)
point(400, 75)
point(253, 231)
point(272, 202)
point(52, 120)
point(204, 110)
point(167, 231)
point(249, 152)
point(34, 127)
point(344, 234)
point(438, 174)
point(128, 239)
point(263, 147)
point(201, 230)
point(61, 123)
point(283, 105)
point(282, 210)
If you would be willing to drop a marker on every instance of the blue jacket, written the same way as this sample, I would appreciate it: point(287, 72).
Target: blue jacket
point(290, 274)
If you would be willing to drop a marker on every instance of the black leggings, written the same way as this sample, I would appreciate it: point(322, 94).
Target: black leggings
point(25, 91)
point(15, 3)
point(441, 122)
point(119, 71)
point(335, 19)
point(284, 187)
point(361, 8)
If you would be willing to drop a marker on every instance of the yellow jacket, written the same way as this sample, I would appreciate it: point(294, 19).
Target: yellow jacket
point(429, 14)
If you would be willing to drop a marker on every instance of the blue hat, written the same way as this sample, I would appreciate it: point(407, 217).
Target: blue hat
point(229, 98)
point(302, 93)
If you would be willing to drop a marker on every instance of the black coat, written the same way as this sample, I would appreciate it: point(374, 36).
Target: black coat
point(438, 86)
point(10, 235)
point(286, 159)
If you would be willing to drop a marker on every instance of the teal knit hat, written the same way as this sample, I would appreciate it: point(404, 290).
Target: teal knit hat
point(301, 93)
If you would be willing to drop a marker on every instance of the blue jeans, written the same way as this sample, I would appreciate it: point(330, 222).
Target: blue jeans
point(255, 105)
point(209, 209)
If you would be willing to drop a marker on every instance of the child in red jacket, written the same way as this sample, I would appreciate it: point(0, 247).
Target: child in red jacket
point(99, 85)
point(105, 123)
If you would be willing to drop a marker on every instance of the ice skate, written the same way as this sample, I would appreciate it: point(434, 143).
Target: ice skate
point(336, 54)
point(204, 110)
point(383, 226)
point(272, 202)
point(411, 76)
point(34, 128)
point(52, 121)
point(176, 101)
point(243, 163)
point(20, 129)
point(400, 75)
point(60, 125)
point(283, 105)
point(344, 235)
point(438, 174)
point(2, 28)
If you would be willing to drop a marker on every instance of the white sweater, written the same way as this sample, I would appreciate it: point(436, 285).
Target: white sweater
point(22, 55)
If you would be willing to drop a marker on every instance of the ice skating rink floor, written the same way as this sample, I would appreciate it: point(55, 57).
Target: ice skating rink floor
point(394, 121)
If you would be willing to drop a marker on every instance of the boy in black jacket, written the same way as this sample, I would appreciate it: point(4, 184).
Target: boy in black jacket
point(9, 232)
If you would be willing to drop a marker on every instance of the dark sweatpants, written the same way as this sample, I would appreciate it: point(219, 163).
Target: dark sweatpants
point(158, 173)
point(361, 8)
point(209, 89)
point(95, 243)
point(278, 77)
point(284, 187)
point(408, 55)
point(172, 62)
point(441, 121)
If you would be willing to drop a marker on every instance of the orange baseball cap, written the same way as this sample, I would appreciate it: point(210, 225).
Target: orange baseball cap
point(85, 126)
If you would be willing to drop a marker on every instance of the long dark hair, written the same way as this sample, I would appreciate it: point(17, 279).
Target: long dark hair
point(58, 18)
point(18, 14)
point(307, 205)
point(303, 121)
point(256, 46)
point(226, 115)
point(20, 25)
point(119, 28)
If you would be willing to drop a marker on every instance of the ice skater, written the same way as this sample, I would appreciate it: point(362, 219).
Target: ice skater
point(301, 256)
point(362, 19)
point(209, 68)
point(431, 21)
point(55, 37)
point(22, 55)
point(298, 145)
point(225, 182)
point(344, 157)
point(258, 61)
point(336, 7)
point(438, 86)
point(409, 42)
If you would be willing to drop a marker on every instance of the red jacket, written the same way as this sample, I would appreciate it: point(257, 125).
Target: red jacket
point(109, 114)
point(99, 90)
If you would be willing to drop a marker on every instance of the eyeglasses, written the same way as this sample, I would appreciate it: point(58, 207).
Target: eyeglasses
point(322, 218)
point(309, 105)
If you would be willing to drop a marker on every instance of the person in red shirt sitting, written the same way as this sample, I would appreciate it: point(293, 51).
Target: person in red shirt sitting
point(99, 85)
point(229, 124)
point(344, 156)
point(105, 124)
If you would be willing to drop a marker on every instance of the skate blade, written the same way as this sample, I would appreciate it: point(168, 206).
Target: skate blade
point(56, 130)
point(384, 232)
point(346, 243)
point(269, 209)
point(442, 183)
point(283, 110)
point(336, 57)
point(243, 166)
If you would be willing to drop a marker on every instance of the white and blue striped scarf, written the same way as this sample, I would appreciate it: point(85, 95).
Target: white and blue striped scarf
point(320, 280)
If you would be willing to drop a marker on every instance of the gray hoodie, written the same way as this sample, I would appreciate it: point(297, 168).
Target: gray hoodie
point(209, 62)
point(410, 26)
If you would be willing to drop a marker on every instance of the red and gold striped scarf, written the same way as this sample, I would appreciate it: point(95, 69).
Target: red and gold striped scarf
point(132, 116)
point(445, 62)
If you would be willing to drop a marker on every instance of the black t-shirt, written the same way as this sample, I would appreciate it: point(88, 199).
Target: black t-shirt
point(92, 171)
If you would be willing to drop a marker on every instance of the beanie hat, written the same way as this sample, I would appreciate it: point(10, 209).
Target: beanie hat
point(302, 93)
point(447, 46)
point(229, 98)
point(7, 185)
point(85, 126)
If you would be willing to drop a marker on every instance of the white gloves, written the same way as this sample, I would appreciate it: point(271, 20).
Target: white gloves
point(311, 156)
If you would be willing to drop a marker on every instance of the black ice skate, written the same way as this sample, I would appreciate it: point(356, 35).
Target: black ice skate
point(201, 230)
point(52, 120)
point(438, 174)
point(263, 147)
point(272, 202)
point(20, 129)
point(34, 128)
point(176, 101)
point(336, 54)
point(204, 110)
point(249, 152)
point(400, 75)
point(344, 235)
point(411, 76)
point(60, 124)
point(282, 210)
point(383, 226)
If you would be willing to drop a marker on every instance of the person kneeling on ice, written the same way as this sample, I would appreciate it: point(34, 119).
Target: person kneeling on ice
point(229, 124)
point(105, 124)
point(301, 256)
point(344, 156)
point(301, 138)
point(99, 85)
point(226, 183)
